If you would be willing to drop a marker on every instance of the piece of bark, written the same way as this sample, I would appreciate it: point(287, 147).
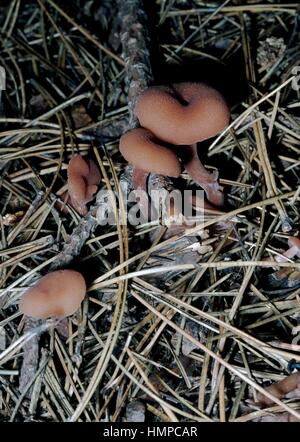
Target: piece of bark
point(110, 129)
point(135, 53)
point(30, 355)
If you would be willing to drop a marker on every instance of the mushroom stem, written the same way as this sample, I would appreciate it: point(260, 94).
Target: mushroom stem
point(207, 180)
point(139, 179)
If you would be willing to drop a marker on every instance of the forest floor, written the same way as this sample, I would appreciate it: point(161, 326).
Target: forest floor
point(183, 328)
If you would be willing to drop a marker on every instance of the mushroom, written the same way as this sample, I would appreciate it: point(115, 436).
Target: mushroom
point(58, 294)
point(294, 250)
point(280, 389)
point(186, 114)
point(148, 154)
point(83, 180)
point(287, 275)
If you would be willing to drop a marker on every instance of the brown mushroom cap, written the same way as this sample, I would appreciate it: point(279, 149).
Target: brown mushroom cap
point(144, 151)
point(57, 294)
point(83, 179)
point(184, 114)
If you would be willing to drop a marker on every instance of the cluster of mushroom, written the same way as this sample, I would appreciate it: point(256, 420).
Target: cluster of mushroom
point(174, 119)
point(60, 293)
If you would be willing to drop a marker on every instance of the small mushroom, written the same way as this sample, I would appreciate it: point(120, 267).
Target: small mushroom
point(83, 180)
point(58, 294)
point(148, 154)
point(294, 250)
point(185, 114)
point(280, 389)
point(287, 276)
